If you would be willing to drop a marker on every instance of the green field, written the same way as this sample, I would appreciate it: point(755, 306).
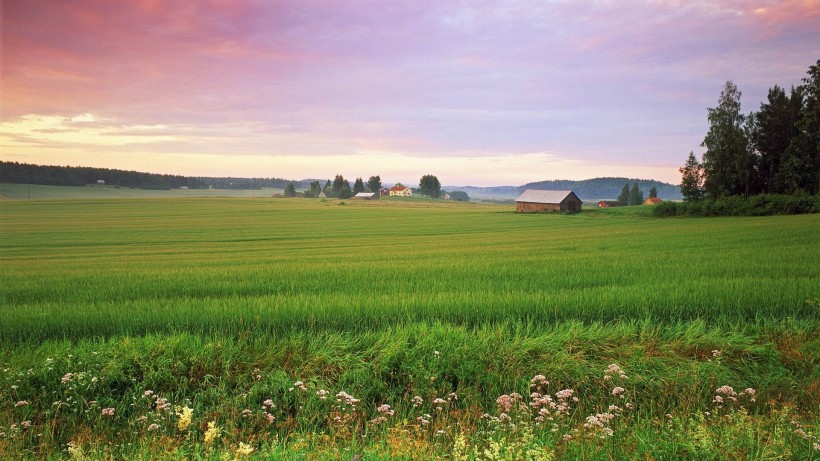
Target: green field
point(219, 304)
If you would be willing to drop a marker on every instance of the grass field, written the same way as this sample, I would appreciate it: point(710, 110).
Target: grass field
point(222, 305)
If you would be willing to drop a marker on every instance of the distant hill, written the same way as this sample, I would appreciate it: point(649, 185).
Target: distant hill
point(499, 193)
point(23, 173)
point(606, 188)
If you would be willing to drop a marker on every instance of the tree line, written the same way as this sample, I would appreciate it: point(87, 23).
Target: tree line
point(606, 188)
point(775, 150)
point(429, 186)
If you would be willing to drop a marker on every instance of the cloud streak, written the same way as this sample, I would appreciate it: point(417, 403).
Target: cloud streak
point(585, 81)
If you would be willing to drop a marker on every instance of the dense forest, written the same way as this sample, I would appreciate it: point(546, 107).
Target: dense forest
point(775, 150)
point(606, 188)
point(23, 173)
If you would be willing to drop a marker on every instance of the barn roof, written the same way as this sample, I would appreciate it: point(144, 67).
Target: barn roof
point(544, 196)
point(398, 188)
point(365, 195)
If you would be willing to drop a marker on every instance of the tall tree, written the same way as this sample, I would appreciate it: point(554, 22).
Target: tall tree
point(623, 199)
point(653, 192)
point(635, 195)
point(345, 192)
point(803, 154)
point(727, 166)
point(290, 190)
point(358, 186)
point(374, 184)
point(430, 186)
point(314, 190)
point(691, 185)
point(339, 182)
point(775, 126)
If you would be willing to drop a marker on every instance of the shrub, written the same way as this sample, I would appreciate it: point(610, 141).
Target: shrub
point(665, 209)
point(757, 205)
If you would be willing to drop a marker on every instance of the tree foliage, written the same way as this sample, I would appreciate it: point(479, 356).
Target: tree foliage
point(290, 190)
point(623, 199)
point(339, 184)
point(430, 186)
point(653, 192)
point(374, 184)
point(635, 195)
point(691, 185)
point(773, 150)
point(460, 196)
point(358, 186)
point(727, 166)
point(314, 190)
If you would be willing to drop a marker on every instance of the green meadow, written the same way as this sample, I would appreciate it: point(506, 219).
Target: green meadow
point(254, 314)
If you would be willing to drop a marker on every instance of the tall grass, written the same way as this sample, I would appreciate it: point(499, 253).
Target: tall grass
point(219, 305)
point(74, 269)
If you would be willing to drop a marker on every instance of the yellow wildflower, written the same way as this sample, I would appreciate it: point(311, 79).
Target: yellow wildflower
point(184, 415)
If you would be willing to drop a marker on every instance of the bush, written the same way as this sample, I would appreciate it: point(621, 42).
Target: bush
point(757, 205)
point(665, 209)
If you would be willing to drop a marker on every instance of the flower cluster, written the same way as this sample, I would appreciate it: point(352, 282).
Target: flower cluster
point(384, 412)
point(614, 370)
point(185, 415)
point(726, 394)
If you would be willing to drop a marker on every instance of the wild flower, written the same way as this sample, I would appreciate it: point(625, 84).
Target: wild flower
point(148, 394)
point(298, 385)
point(162, 404)
point(21, 403)
point(25, 424)
point(439, 403)
point(618, 392)
point(424, 419)
point(75, 451)
point(598, 424)
point(153, 427)
point(436, 353)
point(185, 415)
point(244, 449)
point(384, 412)
point(322, 394)
point(452, 396)
point(107, 412)
point(268, 404)
point(346, 399)
point(504, 403)
point(212, 433)
point(614, 370)
point(417, 401)
point(539, 381)
point(66, 378)
point(246, 413)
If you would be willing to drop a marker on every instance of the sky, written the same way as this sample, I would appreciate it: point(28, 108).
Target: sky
point(481, 93)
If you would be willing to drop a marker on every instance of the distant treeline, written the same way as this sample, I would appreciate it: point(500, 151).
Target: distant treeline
point(605, 188)
point(23, 173)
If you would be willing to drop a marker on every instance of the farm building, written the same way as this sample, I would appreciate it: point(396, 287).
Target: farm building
point(652, 201)
point(533, 201)
point(608, 203)
point(366, 196)
point(384, 191)
point(400, 191)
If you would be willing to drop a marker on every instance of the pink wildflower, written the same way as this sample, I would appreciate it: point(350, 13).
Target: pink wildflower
point(21, 403)
point(107, 412)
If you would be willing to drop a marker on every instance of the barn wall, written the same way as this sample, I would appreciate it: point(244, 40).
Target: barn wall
point(527, 207)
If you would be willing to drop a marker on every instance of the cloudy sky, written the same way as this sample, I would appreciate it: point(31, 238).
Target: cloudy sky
point(475, 92)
